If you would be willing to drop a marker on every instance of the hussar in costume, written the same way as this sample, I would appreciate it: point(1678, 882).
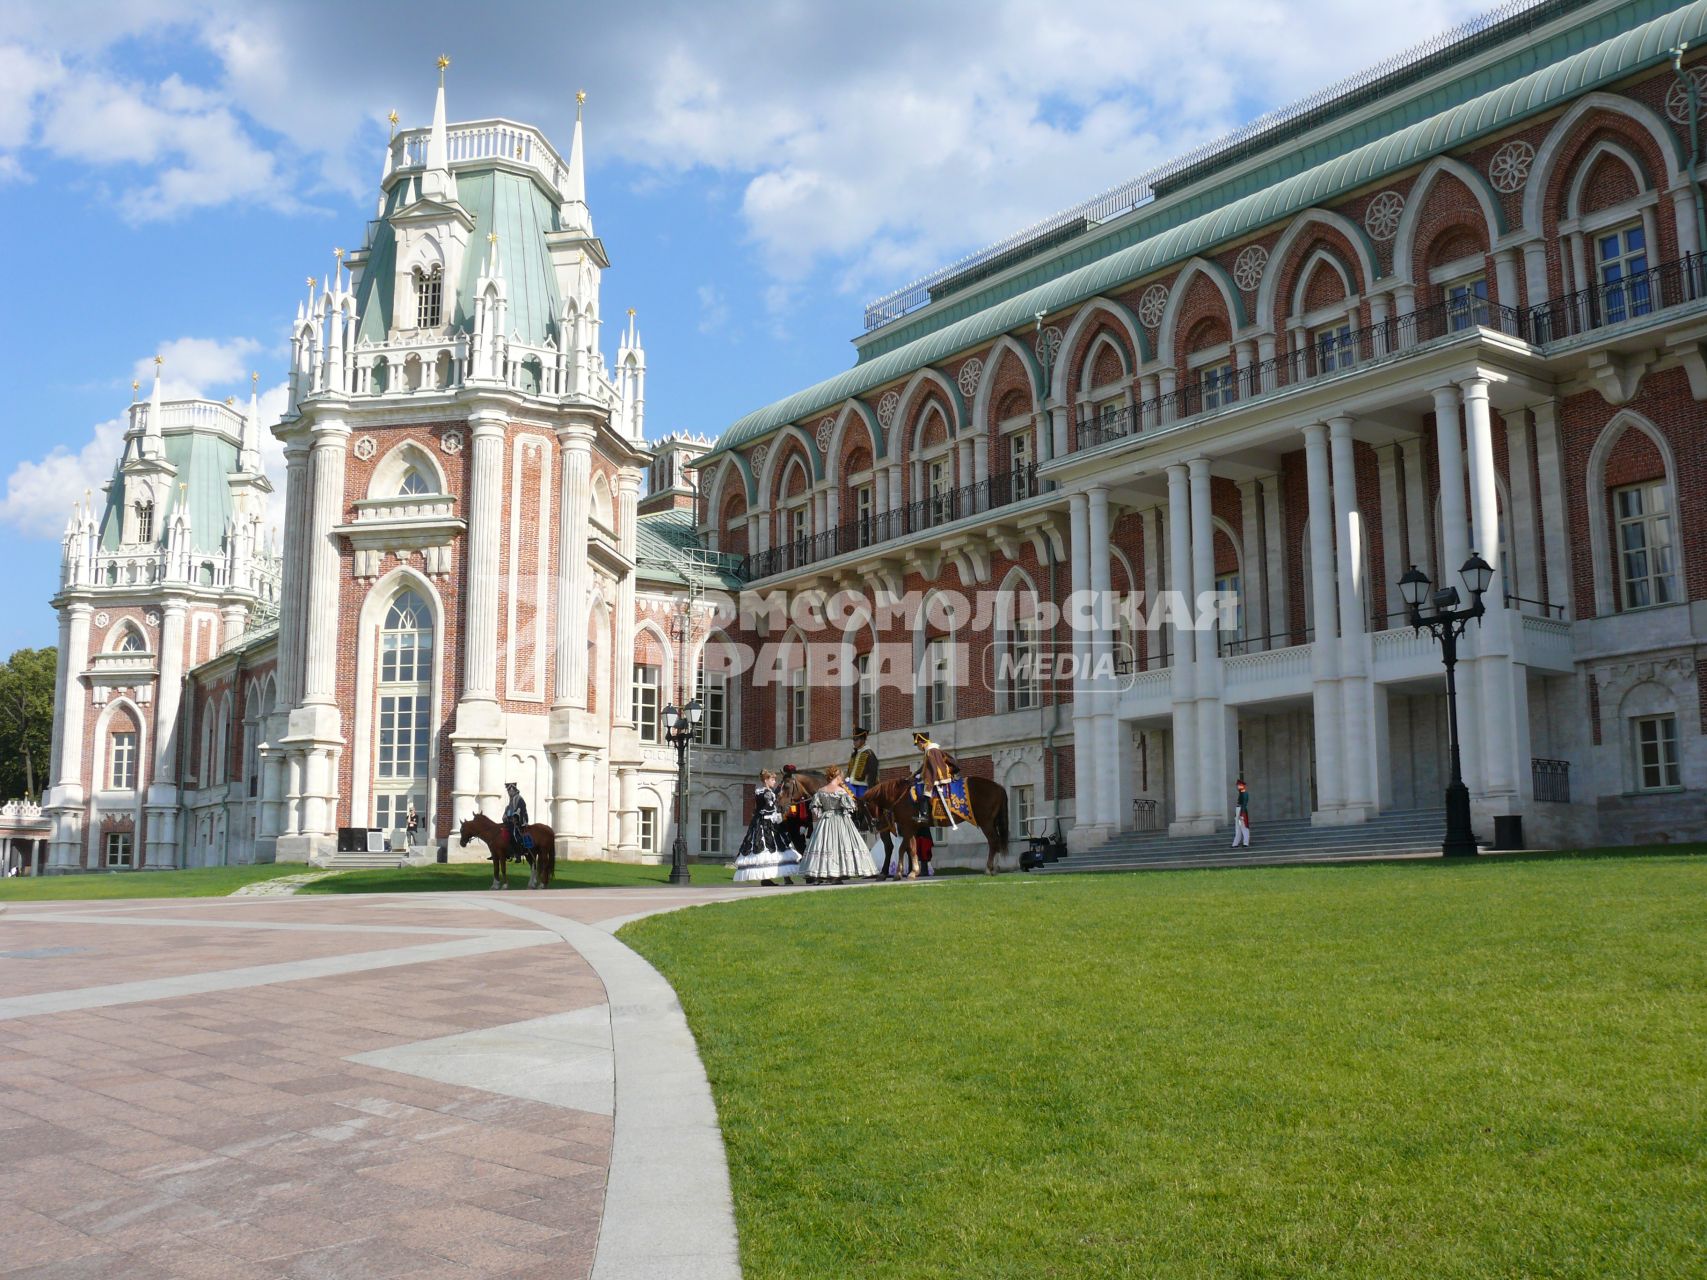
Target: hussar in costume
point(937, 770)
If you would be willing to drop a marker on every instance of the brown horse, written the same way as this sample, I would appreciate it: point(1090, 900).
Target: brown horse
point(542, 862)
point(893, 801)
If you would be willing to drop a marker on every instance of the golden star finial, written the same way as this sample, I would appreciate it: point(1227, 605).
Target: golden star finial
point(159, 360)
point(443, 63)
point(631, 311)
point(491, 237)
point(255, 378)
point(135, 386)
point(392, 116)
point(310, 282)
point(230, 400)
point(338, 254)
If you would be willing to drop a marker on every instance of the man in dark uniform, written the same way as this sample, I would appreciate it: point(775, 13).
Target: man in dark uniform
point(516, 819)
point(862, 773)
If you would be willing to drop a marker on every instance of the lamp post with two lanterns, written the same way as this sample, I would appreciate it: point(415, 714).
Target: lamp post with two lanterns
point(680, 728)
point(1447, 621)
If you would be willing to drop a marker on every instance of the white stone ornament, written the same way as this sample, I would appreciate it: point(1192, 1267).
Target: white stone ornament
point(1048, 345)
point(103, 618)
point(759, 456)
point(1152, 304)
point(826, 432)
point(886, 409)
point(1677, 97)
point(971, 374)
point(451, 442)
point(1381, 219)
point(1249, 266)
point(365, 448)
point(153, 618)
point(1509, 169)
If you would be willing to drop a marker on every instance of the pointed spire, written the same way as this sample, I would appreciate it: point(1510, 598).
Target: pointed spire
point(437, 182)
point(249, 457)
point(153, 427)
point(576, 215)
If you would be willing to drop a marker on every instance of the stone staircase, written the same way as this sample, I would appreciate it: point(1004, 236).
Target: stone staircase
point(354, 861)
point(1414, 833)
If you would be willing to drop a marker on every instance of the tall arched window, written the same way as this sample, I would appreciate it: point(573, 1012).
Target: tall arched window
point(429, 297)
point(402, 761)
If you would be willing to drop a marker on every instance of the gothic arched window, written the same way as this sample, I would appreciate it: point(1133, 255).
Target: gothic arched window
point(404, 740)
point(429, 297)
point(414, 484)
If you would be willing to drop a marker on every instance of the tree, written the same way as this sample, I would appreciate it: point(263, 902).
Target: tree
point(26, 721)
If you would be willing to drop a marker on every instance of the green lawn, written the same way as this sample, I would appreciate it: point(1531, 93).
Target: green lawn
point(1407, 1070)
point(468, 876)
point(201, 882)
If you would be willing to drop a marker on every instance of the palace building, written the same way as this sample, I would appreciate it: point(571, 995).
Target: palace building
point(1455, 304)
point(472, 586)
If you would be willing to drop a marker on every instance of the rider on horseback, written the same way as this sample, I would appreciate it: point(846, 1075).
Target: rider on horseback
point(861, 774)
point(937, 769)
point(516, 819)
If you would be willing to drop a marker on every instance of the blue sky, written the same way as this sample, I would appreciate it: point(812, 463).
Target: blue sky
point(171, 170)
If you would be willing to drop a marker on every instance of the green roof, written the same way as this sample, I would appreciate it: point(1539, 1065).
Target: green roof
point(668, 549)
point(1088, 270)
point(501, 200)
point(204, 463)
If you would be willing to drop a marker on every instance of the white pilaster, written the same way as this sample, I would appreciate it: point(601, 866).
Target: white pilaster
point(1324, 647)
point(1274, 547)
point(1211, 720)
point(485, 502)
point(1549, 460)
point(574, 507)
point(1254, 584)
point(1084, 755)
point(1187, 799)
point(1355, 709)
point(1493, 668)
point(1107, 771)
point(1449, 447)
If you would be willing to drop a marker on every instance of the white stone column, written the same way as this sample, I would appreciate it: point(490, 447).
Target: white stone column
point(1394, 543)
point(1084, 755)
point(320, 663)
point(485, 503)
point(565, 807)
point(1355, 701)
point(1274, 545)
point(1152, 524)
point(622, 687)
point(1104, 694)
point(1212, 801)
point(1505, 281)
point(628, 816)
point(574, 510)
point(1419, 541)
point(464, 783)
point(293, 794)
point(492, 781)
point(1254, 584)
point(1494, 672)
point(1187, 800)
point(1523, 577)
point(72, 699)
point(1059, 444)
point(167, 700)
point(1454, 527)
point(1535, 273)
point(1324, 647)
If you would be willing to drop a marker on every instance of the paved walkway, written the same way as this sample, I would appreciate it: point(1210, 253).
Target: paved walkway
point(406, 1085)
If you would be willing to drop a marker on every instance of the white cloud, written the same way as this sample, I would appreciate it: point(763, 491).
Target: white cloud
point(39, 492)
point(873, 141)
point(713, 310)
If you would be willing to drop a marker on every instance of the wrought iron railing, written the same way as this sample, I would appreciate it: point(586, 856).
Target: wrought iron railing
point(1668, 285)
point(1522, 604)
point(1552, 779)
point(1146, 815)
point(899, 522)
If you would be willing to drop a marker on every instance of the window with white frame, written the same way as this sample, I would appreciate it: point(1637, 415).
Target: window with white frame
point(429, 298)
point(1334, 348)
point(863, 513)
point(414, 484)
point(937, 479)
point(648, 833)
point(405, 693)
point(1621, 267)
point(132, 642)
point(1216, 381)
point(797, 523)
point(121, 762)
point(648, 682)
point(865, 694)
point(1646, 573)
point(1022, 657)
point(711, 833)
point(713, 694)
point(145, 522)
point(798, 725)
point(1019, 456)
point(1228, 584)
point(937, 677)
point(118, 849)
point(1111, 417)
point(1656, 753)
point(1466, 301)
point(1023, 799)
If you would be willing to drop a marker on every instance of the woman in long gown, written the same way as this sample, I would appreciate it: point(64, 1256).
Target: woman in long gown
point(765, 853)
point(837, 850)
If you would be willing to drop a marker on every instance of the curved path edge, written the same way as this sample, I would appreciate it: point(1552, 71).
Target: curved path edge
point(669, 1211)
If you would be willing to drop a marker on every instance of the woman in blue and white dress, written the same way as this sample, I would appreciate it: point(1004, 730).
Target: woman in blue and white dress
point(765, 853)
point(837, 850)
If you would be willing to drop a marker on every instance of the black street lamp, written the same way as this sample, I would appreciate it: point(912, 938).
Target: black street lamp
point(680, 728)
point(1448, 622)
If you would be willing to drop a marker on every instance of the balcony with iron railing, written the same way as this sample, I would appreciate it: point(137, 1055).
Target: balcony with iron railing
point(1571, 316)
point(932, 512)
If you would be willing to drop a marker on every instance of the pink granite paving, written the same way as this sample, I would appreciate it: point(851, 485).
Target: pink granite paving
point(226, 1135)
